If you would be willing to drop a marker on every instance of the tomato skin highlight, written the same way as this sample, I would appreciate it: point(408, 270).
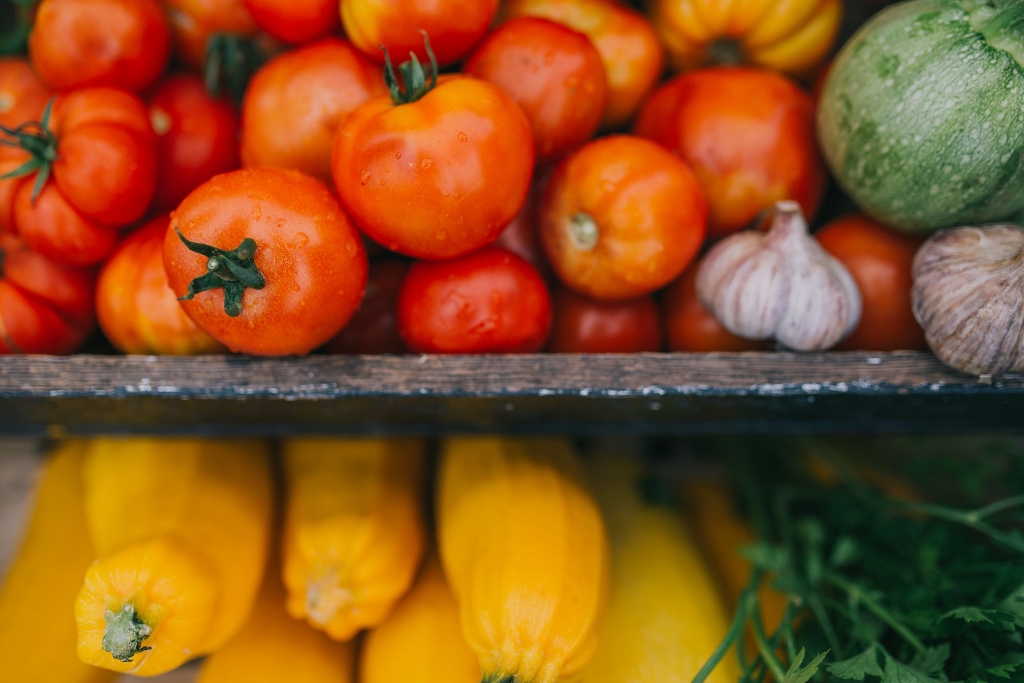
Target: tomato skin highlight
point(90, 43)
point(312, 258)
point(553, 73)
point(584, 325)
point(748, 134)
point(440, 177)
point(374, 327)
point(880, 261)
point(296, 21)
point(296, 102)
point(490, 301)
point(196, 137)
point(22, 95)
point(135, 307)
point(621, 218)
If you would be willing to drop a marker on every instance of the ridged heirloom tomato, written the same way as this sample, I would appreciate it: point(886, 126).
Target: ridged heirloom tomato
point(135, 306)
point(437, 170)
point(271, 265)
point(45, 307)
point(748, 135)
point(295, 21)
point(621, 218)
point(583, 325)
point(90, 171)
point(80, 43)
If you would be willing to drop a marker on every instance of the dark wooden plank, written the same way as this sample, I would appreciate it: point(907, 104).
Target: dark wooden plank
point(669, 393)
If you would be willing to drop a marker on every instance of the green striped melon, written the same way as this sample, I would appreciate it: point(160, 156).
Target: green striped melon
point(922, 117)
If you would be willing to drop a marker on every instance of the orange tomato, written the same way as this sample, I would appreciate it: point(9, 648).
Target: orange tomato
point(298, 266)
point(879, 259)
point(748, 134)
point(438, 177)
point(690, 327)
point(454, 26)
point(296, 21)
point(22, 94)
point(296, 101)
point(135, 306)
point(87, 43)
point(553, 73)
point(627, 43)
point(193, 22)
point(621, 218)
point(374, 327)
point(583, 325)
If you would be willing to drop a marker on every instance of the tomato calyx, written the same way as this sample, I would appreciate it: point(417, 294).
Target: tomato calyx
point(231, 60)
point(36, 138)
point(414, 77)
point(233, 271)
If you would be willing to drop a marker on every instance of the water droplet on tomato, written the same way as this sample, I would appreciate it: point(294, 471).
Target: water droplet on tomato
point(364, 177)
point(426, 164)
point(398, 155)
point(463, 137)
point(301, 240)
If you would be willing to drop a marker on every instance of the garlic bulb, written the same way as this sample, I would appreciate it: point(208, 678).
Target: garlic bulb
point(780, 284)
point(968, 295)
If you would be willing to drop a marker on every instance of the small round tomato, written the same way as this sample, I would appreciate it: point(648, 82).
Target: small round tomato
point(747, 133)
point(94, 171)
point(522, 236)
point(22, 94)
point(490, 301)
point(197, 137)
point(621, 218)
point(691, 327)
point(296, 21)
point(87, 43)
point(553, 73)
point(880, 260)
point(629, 47)
point(583, 325)
point(454, 26)
point(135, 306)
point(296, 101)
point(271, 265)
point(194, 22)
point(374, 327)
point(44, 307)
point(437, 172)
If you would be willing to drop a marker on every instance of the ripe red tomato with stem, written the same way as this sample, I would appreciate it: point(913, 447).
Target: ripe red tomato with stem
point(266, 261)
point(374, 327)
point(296, 21)
point(585, 325)
point(490, 301)
point(195, 22)
point(436, 170)
point(45, 307)
point(197, 137)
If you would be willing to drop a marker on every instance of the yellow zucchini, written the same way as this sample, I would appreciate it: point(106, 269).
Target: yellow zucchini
point(524, 549)
point(181, 527)
point(353, 529)
point(37, 596)
point(421, 641)
point(665, 615)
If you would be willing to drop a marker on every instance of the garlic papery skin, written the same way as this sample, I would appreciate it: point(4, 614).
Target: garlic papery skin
point(968, 295)
point(780, 284)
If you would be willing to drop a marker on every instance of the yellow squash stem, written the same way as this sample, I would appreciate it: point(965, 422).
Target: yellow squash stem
point(181, 527)
point(38, 593)
point(665, 614)
point(353, 529)
point(274, 648)
point(524, 548)
point(421, 641)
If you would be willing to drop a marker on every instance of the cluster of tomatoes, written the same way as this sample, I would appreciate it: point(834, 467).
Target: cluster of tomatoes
point(457, 202)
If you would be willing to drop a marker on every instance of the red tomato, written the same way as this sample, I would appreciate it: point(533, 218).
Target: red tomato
point(621, 218)
point(747, 133)
point(22, 94)
point(553, 73)
point(197, 137)
point(103, 177)
point(299, 266)
point(296, 21)
point(690, 327)
point(629, 47)
point(374, 327)
point(194, 22)
point(584, 325)
point(880, 260)
point(135, 306)
point(44, 307)
point(454, 26)
point(295, 103)
point(88, 43)
point(438, 177)
point(490, 301)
